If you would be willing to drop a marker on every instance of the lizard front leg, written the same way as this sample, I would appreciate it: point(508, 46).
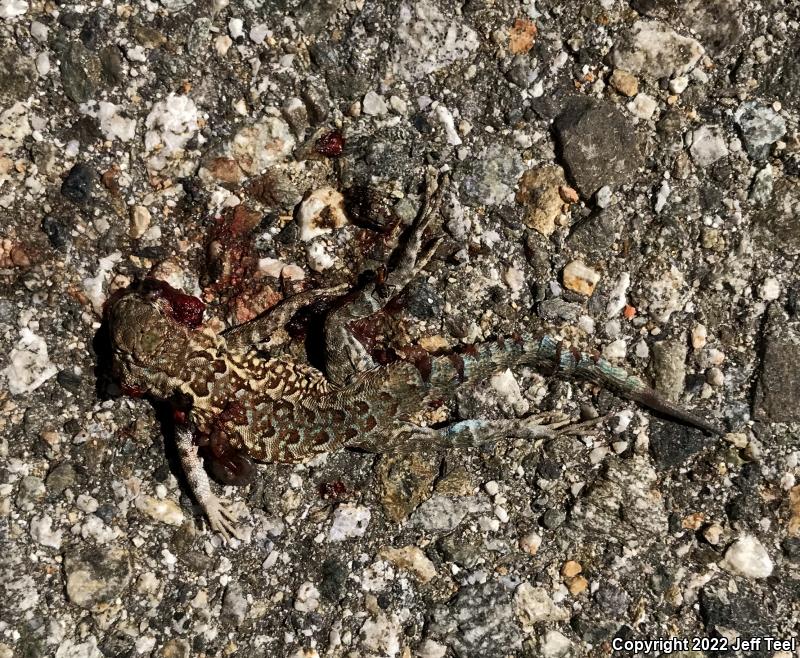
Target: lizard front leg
point(267, 331)
point(345, 355)
point(219, 517)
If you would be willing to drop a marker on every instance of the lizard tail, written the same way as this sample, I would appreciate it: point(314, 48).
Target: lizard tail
point(546, 354)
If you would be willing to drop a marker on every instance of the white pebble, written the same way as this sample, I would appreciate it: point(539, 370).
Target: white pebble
point(349, 521)
point(319, 258)
point(531, 542)
point(307, 598)
point(643, 106)
point(43, 63)
point(374, 104)
point(446, 118)
point(136, 54)
point(11, 8)
point(258, 33)
point(770, 290)
point(615, 351)
point(39, 31)
point(586, 324)
point(321, 212)
point(598, 454)
point(398, 104)
point(678, 85)
point(747, 557)
point(222, 44)
point(603, 196)
point(715, 377)
point(235, 27)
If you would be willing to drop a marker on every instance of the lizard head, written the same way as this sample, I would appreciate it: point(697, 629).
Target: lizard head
point(149, 325)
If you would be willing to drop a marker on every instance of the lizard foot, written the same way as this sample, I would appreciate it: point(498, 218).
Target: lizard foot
point(548, 421)
point(220, 519)
point(576, 429)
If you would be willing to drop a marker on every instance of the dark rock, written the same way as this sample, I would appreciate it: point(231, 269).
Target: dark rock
point(315, 14)
point(56, 230)
point(743, 508)
point(60, 478)
point(317, 102)
point(78, 184)
point(93, 29)
point(111, 66)
point(479, 622)
point(595, 235)
point(79, 72)
point(553, 518)
point(715, 21)
point(559, 309)
point(289, 234)
point(69, 380)
point(17, 75)
point(405, 480)
point(673, 444)
point(463, 553)
point(334, 579)
point(780, 79)
point(367, 206)
point(422, 301)
point(778, 385)
point(743, 611)
point(612, 600)
point(655, 8)
point(780, 217)
point(761, 127)
point(107, 512)
point(275, 188)
point(590, 631)
point(549, 469)
point(86, 130)
point(598, 144)
point(520, 72)
point(70, 19)
point(791, 549)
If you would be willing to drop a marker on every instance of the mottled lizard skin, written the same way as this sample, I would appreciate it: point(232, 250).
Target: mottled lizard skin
point(229, 394)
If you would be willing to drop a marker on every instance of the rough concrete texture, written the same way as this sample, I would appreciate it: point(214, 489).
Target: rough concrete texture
point(245, 150)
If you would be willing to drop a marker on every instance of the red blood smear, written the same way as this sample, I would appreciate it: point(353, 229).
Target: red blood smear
point(184, 309)
point(335, 490)
point(133, 391)
point(331, 144)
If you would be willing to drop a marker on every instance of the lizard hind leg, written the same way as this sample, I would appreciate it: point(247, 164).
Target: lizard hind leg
point(345, 355)
point(408, 437)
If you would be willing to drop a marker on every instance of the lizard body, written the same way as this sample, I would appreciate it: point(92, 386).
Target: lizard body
point(227, 394)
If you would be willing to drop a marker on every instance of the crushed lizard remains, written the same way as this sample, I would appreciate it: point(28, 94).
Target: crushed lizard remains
point(229, 394)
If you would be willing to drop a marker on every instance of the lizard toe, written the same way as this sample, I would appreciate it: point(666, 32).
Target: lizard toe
point(221, 520)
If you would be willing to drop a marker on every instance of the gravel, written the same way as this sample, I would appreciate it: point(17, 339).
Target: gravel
point(625, 175)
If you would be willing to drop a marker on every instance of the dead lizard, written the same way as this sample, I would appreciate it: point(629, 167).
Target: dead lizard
point(230, 394)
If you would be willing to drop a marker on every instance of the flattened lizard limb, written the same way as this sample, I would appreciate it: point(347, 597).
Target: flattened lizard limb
point(267, 331)
point(219, 516)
